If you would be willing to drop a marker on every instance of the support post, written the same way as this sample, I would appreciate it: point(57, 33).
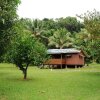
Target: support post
point(75, 66)
point(61, 61)
point(66, 66)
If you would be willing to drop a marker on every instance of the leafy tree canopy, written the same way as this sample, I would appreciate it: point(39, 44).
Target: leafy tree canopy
point(26, 50)
point(92, 23)
point(61, 39)
point(70, 23)
point(7, 20)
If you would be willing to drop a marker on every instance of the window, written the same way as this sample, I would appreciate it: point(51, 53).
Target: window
point(68, 56)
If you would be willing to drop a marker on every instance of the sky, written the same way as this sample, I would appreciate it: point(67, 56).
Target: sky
point(55, 8)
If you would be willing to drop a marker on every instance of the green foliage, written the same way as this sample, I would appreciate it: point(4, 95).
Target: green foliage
point(95, 50)
point(26, 50)
point(92, 48)
point(83, 42)
point(61, 39)
point(70, 23)
point(59, 33)
point(35, 27)
point(82, 38)
point(43, 29)
point(7, 20)
point(92, 23)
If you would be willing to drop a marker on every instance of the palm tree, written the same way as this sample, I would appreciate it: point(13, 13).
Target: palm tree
point(83, 35)
point(35, 27)
point(61, 39)
point(82, 39)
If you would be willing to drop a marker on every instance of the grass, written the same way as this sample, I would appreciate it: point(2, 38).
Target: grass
point(44, 84)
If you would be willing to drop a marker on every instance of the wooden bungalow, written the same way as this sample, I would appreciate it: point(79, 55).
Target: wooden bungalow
point(62, 58)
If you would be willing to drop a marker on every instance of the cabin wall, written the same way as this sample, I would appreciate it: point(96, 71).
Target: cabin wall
point(74, 59)
point(54, 61)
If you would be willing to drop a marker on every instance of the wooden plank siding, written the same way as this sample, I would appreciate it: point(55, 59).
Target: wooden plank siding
point(74, 59)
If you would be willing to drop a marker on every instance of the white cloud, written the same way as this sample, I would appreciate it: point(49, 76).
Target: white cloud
point(55, 8)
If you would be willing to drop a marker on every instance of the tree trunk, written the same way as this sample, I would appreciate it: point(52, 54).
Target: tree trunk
point(25, 73)
point(24, 70)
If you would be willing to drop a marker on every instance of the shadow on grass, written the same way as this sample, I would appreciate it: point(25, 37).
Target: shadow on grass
point(1, 73)
point(16, 79)
point(91, 74)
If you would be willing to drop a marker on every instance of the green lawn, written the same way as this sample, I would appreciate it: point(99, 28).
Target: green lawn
point(44, 84)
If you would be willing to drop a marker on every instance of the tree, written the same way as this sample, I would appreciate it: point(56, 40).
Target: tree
point(92, 49)
point(8, 17)
point(26, 50)
point(49, 24)
point(82, 41)
point(70, 23)
point(61, 39)
point(36, 28)
point(97, 48)
point(92, 25)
